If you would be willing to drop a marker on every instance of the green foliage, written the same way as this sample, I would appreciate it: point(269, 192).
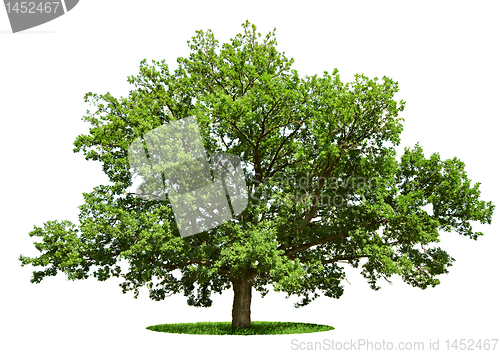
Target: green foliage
point(324, 184)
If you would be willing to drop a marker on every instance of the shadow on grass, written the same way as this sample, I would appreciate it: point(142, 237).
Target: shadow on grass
point(225, 328)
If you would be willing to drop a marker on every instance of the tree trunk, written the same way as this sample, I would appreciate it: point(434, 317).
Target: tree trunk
point(242, 288)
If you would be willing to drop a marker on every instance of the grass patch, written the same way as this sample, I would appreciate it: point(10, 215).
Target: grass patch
point(225, 328)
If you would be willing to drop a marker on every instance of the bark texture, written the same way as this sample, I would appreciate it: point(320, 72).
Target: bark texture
point(242, 288)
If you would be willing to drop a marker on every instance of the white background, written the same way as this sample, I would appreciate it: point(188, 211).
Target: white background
point(444, 56)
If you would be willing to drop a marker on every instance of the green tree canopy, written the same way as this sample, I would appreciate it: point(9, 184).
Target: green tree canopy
point(325, 186)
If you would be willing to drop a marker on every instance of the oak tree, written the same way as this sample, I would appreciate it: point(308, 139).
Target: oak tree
point(325, 186)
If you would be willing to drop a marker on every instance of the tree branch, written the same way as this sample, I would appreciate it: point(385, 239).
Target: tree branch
point(300, 248)
point(341, 259)
point(191, 261)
